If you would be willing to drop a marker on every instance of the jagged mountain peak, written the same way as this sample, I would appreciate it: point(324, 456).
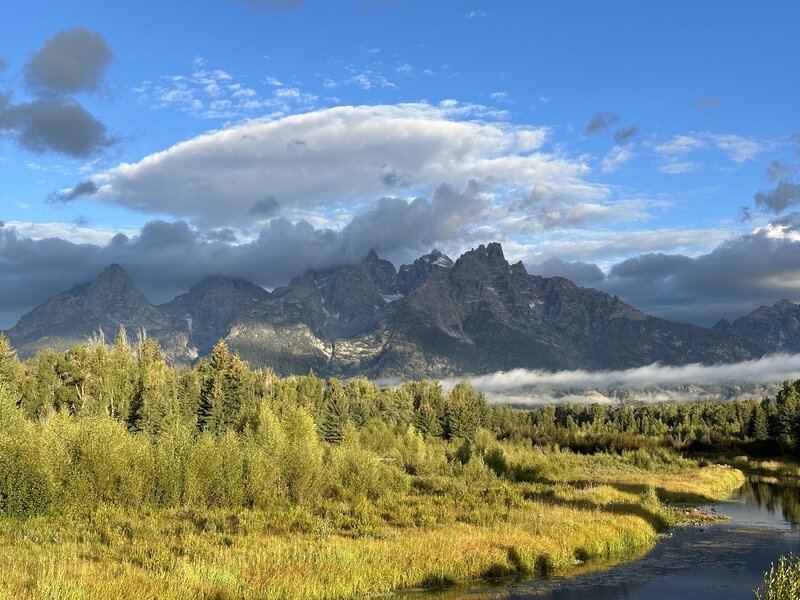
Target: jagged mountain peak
point(114, 270)
point(518, 268)
point(488, 256)
point(431, 318)
point(410, 277)
point(785, 303)
point(109, 301)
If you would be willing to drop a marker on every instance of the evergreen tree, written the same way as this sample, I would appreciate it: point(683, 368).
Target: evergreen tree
point(216, 384)
point(335, 412)
point(465, 412)
point(153, 400)
point(234, 391)
point(788, 405)
point(757, 427)
point(426, 421)
point(11, 370)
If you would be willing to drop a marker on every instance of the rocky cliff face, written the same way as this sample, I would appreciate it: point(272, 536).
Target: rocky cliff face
point(432, 318)
point(483, 315)
point(207, 311)
point(109, 302)
point(776, 327)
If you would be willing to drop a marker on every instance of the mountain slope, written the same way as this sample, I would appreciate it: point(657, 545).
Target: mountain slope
point(109, 302)
point(484, 315)
point(776, 327)
point(433, 318)
point(208, 309)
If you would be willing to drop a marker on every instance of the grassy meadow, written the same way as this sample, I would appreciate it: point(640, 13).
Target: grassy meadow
point(441, 530)
point(124, 477)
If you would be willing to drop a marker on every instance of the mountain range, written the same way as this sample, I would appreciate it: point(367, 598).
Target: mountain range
point(432, 318)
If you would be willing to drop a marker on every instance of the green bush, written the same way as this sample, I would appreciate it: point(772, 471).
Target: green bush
point(24, 483)
point(781, 582)
point(96, 459)
point(359, 472)
point(301, 459)
point(171, 450)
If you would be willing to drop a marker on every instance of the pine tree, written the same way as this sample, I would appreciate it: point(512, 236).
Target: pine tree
point(234, 390)
point(465, 413)
point(11, 370)
point(426, 421)
point(152, 401)
point(757, 427)
point(788, 403)
point(211, 410)
point(335, 412)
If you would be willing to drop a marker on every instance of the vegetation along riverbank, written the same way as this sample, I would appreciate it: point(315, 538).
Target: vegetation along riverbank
point(123, 477)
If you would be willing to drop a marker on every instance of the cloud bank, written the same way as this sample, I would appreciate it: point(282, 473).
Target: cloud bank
point(533, 386)
point(166, 258)
point(337, 158)
point(768, 369)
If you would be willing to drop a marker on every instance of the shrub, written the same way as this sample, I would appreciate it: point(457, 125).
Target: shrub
point(781, 582)
point(359, 472)
point(301, 460)
point(95, 459)
point(25, 485)
point(171, 449)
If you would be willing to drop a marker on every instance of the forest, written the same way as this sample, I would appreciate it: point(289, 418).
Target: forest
point(121, 473)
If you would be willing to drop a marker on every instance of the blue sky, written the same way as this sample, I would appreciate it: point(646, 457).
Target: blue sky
point(621, 144)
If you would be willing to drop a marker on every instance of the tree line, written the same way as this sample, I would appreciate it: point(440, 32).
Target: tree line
point(115, 423)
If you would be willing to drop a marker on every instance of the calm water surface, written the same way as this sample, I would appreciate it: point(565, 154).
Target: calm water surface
point(713, 562)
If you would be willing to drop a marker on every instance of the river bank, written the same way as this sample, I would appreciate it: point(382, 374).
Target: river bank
point(582, 509)
point(724, 560)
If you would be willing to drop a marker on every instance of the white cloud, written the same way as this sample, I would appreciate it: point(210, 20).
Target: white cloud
point(341, 157)
point(681, 144)
point(677, 168)
point(739, 148)
point(618, 156)
point(477, 14)
point(368, 80)
point(606, 247)
point(77, 234)
point(769, 369)
point(214, 94)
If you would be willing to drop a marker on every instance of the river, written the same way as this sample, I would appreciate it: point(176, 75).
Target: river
point(710, 562)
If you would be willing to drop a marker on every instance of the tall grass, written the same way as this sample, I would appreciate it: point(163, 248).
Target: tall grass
point(453, 522)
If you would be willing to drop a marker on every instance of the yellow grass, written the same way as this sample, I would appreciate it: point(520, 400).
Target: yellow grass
point(597, 512)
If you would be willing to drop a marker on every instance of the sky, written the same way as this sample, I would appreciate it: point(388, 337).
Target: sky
point(648, 149)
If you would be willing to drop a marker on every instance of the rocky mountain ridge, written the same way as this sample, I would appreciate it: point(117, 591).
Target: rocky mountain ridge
point(776, 327)
point(432, 318)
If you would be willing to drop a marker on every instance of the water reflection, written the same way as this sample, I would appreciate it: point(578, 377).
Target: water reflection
point(780, 501)
point(719, 562)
